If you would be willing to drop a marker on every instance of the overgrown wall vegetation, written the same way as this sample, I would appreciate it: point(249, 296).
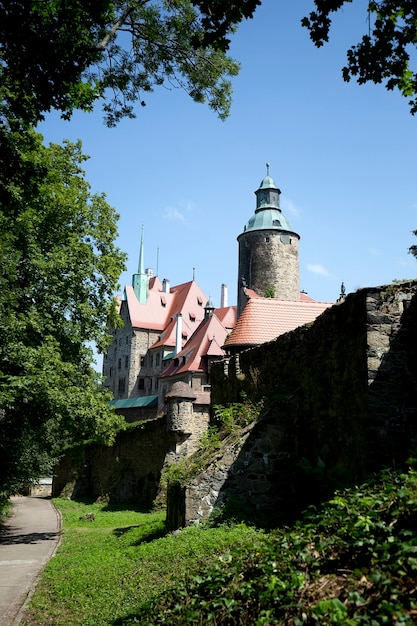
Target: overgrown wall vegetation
point(341, 398)
point(129, 471)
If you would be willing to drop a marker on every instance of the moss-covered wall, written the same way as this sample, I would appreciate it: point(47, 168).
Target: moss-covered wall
point(341, 397)
point(129, 471)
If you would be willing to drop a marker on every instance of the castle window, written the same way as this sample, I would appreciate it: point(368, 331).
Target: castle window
point(150, 384)
point(127, 340)
point(156, 384)
point(122, 385)
point(141, 384)
point(142, 361)
point(119, 364)
point(110, 372)
point(267, 240)
point(286, 239)
point(157, 359)
point(151, 360)
point(126, 361)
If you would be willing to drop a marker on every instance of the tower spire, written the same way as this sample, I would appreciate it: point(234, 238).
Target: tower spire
point(141, 279)
point(141, 266)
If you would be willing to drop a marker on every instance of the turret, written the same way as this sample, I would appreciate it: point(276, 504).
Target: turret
point(268, 249)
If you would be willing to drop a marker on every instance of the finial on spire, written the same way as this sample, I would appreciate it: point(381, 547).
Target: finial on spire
point(267, 169)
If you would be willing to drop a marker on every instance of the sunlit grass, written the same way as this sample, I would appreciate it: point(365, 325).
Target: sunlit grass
point(113, 562)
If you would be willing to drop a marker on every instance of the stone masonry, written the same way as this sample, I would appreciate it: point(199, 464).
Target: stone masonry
point(342, 402)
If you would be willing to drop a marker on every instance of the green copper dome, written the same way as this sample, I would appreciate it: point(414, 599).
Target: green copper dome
point(268, 215)
point(268, 219)
point(267, 183)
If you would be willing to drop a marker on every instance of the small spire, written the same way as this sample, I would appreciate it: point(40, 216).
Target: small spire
point(140, 280)
point(141, 266)
point(193, 273)
point(267, 169)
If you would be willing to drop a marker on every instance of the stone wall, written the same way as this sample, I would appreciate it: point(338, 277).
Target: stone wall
point(342, 402)
point(129, 471)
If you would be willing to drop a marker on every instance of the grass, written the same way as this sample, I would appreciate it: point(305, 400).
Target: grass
point(114, 561)
point(352, 562)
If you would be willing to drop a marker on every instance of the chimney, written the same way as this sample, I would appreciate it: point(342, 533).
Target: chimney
point(178, 335)
point(165, 285)
point(223, 296)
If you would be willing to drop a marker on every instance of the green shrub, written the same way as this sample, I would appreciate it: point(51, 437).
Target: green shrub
point(351, 562)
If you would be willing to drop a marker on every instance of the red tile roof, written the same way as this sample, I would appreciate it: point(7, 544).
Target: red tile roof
point(207, 341)
point(264, 319)
point(227, 315)
point(161, 308)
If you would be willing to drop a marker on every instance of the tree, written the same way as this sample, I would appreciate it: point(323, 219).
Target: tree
point(59, 270)
point(66, 55)
point(384, 53)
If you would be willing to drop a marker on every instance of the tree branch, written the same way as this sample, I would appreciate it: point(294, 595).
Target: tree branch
point(118, 23)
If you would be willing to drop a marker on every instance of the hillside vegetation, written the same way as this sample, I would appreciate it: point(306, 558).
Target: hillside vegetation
point(353, 561)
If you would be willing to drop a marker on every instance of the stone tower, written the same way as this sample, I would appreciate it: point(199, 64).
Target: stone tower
point(268, 250)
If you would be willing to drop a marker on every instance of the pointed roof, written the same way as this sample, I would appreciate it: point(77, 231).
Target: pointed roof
point(207, 341)
point(161, 308)
point(181, 390)
point(227, 315)
point(268, 182)
point(265, 319)
point(140, 280)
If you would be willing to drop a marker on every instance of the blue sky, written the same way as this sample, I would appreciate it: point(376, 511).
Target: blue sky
point(343, 156)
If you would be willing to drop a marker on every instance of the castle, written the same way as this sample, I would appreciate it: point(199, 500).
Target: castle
point(341, 394)
point(174, 334)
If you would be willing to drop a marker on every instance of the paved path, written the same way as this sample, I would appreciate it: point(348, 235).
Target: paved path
point(27, 542)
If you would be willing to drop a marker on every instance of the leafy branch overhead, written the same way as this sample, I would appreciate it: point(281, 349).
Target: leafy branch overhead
point(64, 55)
point(385, 52)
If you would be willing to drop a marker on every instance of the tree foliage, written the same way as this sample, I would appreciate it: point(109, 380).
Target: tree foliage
point(66, 55)
point(59, 270)
point(385, 53)
point(59, 264)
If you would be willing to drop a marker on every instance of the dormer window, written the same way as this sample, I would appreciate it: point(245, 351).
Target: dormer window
point(192, 317)
point(276, 223)
point(163, 301)
point(200, 301)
